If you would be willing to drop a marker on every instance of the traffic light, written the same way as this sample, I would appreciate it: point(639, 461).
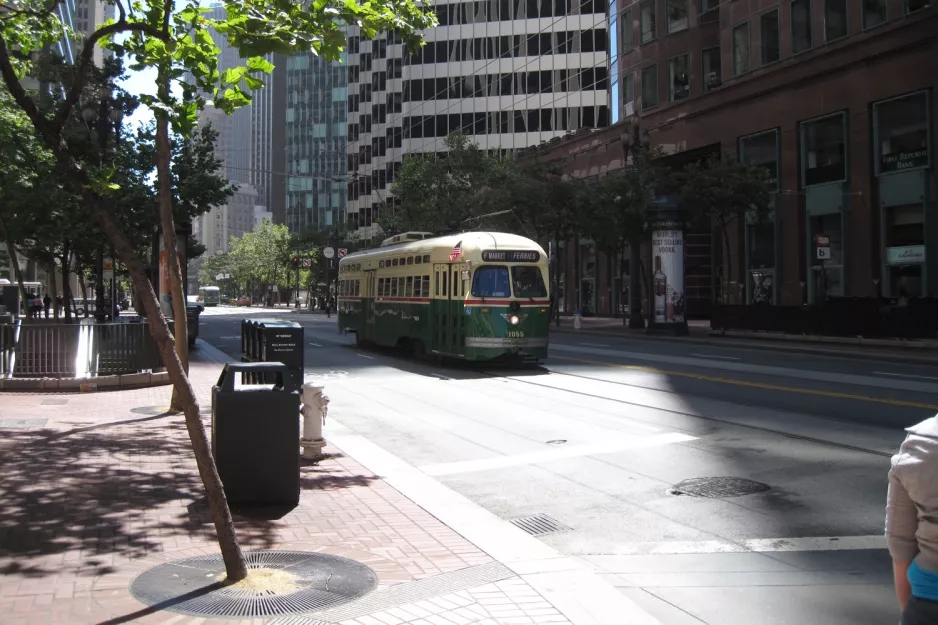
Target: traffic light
point(296, 261)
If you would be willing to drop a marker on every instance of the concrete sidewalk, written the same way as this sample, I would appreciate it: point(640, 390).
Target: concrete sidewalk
point(699, 332)
point(96, 488)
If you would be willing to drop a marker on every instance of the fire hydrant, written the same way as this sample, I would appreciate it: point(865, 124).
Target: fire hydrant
point(315, 406)
point(577, 319)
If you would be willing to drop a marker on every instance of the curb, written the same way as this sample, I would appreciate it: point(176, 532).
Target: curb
point(919, 352)
point(101, 383)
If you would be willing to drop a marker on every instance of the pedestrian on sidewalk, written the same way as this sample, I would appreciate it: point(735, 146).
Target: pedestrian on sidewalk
point(912, 524)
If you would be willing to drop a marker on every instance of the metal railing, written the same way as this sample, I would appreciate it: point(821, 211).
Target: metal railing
point(76, 350)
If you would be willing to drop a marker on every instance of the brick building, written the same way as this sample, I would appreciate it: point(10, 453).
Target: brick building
point(835, 97)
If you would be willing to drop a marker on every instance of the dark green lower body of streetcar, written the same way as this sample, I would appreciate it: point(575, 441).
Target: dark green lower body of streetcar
point(450, 327)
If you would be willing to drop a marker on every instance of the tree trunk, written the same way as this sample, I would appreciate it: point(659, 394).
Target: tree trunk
point(14, 260)
point(53, 287)
point(84, 289)
point(636, 320)
point(727, 263)
point(235, 565)
point(165, 202)
point(67, 300)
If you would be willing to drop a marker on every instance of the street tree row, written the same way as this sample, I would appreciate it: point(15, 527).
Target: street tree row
point(466, 188)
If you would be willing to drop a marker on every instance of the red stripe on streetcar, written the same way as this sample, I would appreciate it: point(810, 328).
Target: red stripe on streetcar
point(412, 300)
point(505, 302)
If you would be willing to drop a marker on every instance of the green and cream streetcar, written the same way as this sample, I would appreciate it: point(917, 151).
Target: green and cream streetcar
point(474, 296)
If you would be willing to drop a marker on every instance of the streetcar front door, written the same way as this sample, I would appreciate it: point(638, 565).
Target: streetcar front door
point(367, 327)
point(448, 320)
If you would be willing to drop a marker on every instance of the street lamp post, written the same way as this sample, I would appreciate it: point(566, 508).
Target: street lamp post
point(102, 119)
point(631, 141)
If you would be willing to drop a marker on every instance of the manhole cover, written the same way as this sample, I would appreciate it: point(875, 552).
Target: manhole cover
point(191, 586)
point(718, 487)
point(53, 402)
point(151, 410)
point(22, 424)
point(539, 524)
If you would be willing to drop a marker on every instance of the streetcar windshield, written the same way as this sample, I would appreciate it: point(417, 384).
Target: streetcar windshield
point(528, 281)
point(491, 282)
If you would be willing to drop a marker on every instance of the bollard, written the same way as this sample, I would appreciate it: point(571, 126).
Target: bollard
point(577, 319)
point(315, 406)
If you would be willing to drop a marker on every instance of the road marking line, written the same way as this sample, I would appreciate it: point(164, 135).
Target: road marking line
point(315, 344)
point(768, 387)
point(756, 545)
point(536, 457)
point(228, 338)
point(368, 357)
point(595, 344)
point(903, 375)
point(713, 356)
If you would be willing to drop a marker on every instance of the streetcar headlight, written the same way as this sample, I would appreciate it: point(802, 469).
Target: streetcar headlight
point(514, 320)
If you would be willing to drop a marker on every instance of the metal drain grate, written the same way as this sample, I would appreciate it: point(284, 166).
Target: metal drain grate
point(718, 487)
point(540, 524)
point(22, 424)
point(191, 586)
point(53, 402)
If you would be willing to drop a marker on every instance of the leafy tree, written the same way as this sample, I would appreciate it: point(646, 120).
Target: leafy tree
point(724, 191)
point(175, 42)
point(261, 258)
point(442, 192)
point(615, 218)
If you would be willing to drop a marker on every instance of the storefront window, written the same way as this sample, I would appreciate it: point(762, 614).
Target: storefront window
point(904, 255)
point(901, 133)
point(826, 275)
point(824, 150)
point(762, 150)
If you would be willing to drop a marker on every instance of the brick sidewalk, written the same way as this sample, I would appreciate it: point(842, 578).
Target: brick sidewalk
point(99, 487)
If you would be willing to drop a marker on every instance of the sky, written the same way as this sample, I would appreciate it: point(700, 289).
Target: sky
point(138, 83)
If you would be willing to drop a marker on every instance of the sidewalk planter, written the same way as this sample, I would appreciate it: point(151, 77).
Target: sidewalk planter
point(256, 434)
point(841, 316)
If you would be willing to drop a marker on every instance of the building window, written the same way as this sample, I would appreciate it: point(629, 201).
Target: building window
point(649, 87)
point(800, 26)
point(710, 60)
point(762, 150)
point(874, 13)
point(679, 77)
point(741, 49)
point(709, 11)
point(628, 26)
point(614, 102)
point(835, 19)
point(647, 11)
point(677, 15)
point(628, 94)
point(771, 50)
point(911, 6)
point(824, 150)
point(901, 130)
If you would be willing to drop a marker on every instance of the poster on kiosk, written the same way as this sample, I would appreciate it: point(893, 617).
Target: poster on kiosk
point(667, 251)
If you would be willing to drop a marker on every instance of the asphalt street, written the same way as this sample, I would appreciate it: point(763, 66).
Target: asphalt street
point(710, 484)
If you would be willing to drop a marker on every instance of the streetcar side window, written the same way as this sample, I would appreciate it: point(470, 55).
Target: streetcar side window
point(417, 292)
point(380, 287)
point(417, 260)
point(426, 286)
point(443, 288)
point(491, 281)
point(394, 262)
point(393, 287)
point(426, 258)
point(358, 288)
point(409, 291)
point(410, 260)
point(528, 281)
point(436, 283)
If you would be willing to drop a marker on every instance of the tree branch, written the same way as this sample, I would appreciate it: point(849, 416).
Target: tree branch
point(21, 97)
point(87, 57)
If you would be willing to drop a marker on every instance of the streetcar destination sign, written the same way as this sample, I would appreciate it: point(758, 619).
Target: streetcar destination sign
point(510, 256)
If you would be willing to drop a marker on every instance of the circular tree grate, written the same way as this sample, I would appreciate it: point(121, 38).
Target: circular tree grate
point(191, 586)
point(718, 487)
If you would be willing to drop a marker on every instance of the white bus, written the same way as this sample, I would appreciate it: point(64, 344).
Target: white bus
point(209, 295)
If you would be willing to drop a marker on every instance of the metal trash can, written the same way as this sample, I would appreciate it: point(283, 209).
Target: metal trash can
point(193, 313)
point(256, 434)
point(271, 340)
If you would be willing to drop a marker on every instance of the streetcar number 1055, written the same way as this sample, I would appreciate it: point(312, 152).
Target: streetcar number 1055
point(515, 334)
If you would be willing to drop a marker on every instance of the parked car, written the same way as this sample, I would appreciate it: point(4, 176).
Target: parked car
point(244, 300)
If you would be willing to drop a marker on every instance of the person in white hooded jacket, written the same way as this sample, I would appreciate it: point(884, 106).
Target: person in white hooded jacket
point(912, 524)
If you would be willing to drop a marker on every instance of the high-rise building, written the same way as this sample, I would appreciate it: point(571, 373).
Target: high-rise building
point(510, 73)
point(315, 142)
point(836, 100)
